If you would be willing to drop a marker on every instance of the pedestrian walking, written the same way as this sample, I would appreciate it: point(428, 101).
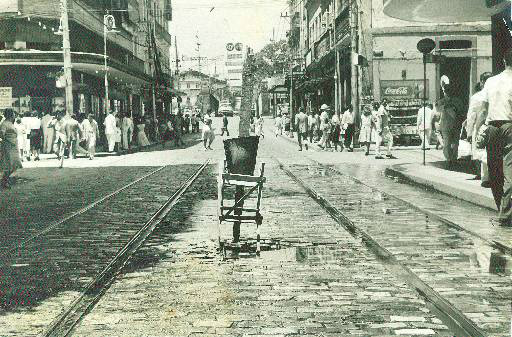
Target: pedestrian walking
point(21, 132)
point(383, 131)
point(301, 124)
point(497, 96)
point(91, 134)
point(424, 125)
point(325, 126)
point(127, 131)
point(311, 126)
point(225, 123)
point(48, 133)
point(436, 120)
point(336, 132)
point(365, 134)
point(278, 125)
point(74, 134)
point(476, 117)
point(58, 125)
point(452, 116)
point(349, 127)
point(178, 129)
point(142, 139)
point(110, 130)
point(9, 151)
point(208, 134)
point(258, 127)
point(375, 121)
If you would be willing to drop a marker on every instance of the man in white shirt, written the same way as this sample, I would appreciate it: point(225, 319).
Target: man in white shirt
point(348, 125)
point(497, 95)
point(110, 130)
point(424, 125)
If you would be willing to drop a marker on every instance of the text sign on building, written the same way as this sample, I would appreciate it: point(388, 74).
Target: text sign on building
point(5, 97)
point(402, 89)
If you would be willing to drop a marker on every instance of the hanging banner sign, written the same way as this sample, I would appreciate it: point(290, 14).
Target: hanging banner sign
point(5, 97)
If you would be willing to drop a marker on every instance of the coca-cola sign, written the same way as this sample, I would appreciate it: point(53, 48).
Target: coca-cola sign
point(402, 89)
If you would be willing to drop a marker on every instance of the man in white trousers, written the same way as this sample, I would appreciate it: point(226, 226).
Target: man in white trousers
point(110, 130)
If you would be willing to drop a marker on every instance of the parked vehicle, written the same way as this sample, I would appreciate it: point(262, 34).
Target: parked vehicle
point(225, 108)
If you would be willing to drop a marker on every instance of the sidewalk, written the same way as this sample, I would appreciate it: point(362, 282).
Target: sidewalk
point(409, 168)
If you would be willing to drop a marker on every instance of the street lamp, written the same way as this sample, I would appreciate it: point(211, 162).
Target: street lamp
point(109, 26)
point(425, 46)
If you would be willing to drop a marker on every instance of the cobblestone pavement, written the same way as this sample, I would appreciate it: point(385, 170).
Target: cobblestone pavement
point(47, 274)
point(460, 267)
point(322, 282)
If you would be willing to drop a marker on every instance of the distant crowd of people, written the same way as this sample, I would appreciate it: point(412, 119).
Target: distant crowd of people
point(25, 138)
point(331, 131)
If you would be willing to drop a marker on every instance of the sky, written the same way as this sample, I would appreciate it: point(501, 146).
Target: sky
point(218, 22)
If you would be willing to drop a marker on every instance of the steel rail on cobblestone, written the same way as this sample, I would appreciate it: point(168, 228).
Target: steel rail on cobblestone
point(457, 319)
point(492, 243)
point(66, 322)
point(73, 215)
point(495, 244)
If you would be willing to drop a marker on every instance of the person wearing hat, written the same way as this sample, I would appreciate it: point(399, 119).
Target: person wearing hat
point(325, 126)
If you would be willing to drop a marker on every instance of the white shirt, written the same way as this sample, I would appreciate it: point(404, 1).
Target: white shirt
point(428, 118)
point(497, 93)
point(110, 124)
point(348, 117)
point(476, 108)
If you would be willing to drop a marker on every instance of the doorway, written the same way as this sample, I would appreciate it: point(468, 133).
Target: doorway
point(458, 70)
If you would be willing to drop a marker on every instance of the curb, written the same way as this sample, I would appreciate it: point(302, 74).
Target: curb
point(459, 193)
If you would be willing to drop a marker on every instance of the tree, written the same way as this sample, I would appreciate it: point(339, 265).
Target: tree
point(272, 59)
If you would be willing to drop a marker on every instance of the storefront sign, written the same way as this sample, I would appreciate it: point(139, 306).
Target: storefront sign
point(402, 89)
point(5, 97)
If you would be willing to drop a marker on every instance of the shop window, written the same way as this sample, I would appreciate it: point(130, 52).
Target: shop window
point(455, 44)
point(95, 105)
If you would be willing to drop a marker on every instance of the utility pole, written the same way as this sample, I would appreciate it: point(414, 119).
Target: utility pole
point(177, 72)
point(244, 127)
point(336, 64)
point(354, 50)
point(66, 49)
point(152, 64)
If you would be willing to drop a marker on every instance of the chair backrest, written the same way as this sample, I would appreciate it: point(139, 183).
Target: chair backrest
point(241, 154)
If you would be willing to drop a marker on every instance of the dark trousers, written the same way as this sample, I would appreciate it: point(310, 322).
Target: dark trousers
point(225, 128)
point(349, 135)
point(451, 143)
point(302, 136)
point(499, 161)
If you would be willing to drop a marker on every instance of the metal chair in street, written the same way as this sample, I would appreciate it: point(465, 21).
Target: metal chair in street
point(238, 171)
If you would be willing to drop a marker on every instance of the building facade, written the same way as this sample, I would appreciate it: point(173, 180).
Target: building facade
point(31, 57)
point(352, 51)
point(200, 91)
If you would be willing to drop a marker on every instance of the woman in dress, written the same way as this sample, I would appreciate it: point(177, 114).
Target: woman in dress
point(142, 139)
point(365, 135)
point(9, 151)
point(21, 131)
point(208, 134)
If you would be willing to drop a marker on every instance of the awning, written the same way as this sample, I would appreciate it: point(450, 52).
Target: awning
point(443, 11)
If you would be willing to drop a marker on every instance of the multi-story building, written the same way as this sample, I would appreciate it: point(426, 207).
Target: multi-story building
point(323, 33)
point(31, 57)
point(200, 90)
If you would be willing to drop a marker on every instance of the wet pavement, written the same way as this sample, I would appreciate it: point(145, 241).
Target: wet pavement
point(322, 282)
point(314, 278)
